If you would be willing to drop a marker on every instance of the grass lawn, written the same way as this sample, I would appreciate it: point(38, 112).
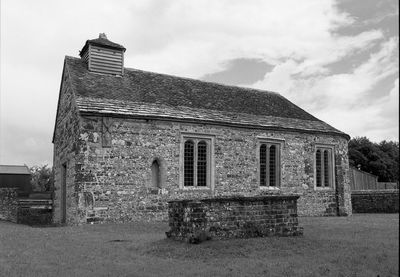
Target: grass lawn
point(361, 245)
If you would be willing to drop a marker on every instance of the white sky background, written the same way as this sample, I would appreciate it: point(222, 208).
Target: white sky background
point(336, 59)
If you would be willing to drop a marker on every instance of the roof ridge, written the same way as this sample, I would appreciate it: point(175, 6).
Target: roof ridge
point(191, 79)
point(202, 81)
point(72, 57)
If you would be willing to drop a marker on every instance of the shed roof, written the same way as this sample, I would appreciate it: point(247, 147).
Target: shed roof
point(14, 169)
point(141, 93)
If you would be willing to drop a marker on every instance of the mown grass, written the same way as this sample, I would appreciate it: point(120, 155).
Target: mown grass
point(361, 245)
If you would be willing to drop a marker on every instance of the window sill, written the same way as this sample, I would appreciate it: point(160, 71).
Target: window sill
point(324, 188)
point(270, 188)
point(191, 189)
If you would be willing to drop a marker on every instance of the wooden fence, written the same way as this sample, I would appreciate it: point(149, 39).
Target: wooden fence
point(387, 185)
point(361, 180)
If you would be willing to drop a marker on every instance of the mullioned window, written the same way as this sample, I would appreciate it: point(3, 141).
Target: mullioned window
point(196, 160)
point(269, 163)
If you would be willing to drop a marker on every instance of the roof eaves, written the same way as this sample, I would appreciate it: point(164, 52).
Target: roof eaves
point(117, 46)
point(15, 169)
point(65, 71)
point(214, 122)
point(106, 44)
point(59, 98)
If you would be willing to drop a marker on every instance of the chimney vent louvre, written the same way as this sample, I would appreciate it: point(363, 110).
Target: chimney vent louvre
point(103, 56)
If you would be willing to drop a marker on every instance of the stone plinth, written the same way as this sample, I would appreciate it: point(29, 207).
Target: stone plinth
point(233, 217)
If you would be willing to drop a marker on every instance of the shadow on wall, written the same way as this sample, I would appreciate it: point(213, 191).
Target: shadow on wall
point(157, 178)
point(155, 174)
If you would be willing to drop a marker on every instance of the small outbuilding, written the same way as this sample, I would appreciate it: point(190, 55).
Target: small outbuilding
point(16, 176)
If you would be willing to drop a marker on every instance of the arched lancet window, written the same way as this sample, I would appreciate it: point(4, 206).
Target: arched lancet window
point(202, 164)
point(189, 163)
point(155, 174)
point(318, 166)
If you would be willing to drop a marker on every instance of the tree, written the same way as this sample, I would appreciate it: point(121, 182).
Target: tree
point(391, 156)
point(42, 178)
point(380, 159)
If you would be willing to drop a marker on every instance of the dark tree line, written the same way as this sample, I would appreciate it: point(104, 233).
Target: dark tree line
point(380, 159)
point(42, 178)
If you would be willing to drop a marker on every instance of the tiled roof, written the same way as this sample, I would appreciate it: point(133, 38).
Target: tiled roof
point(141, 93)
point(14, 169)
point(159, 111)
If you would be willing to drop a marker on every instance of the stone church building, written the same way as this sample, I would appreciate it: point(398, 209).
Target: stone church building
point(126, 141)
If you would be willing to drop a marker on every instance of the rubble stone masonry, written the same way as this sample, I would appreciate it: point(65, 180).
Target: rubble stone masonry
point(66, 148)
point(375, 201)
point(9, 204)
point(114, 184)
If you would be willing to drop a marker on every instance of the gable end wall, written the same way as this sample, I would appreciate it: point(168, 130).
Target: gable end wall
point(66, 146)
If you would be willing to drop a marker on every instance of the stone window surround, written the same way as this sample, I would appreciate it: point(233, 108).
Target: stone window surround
point(162, 175)
point(331, 149)
point(210, 140)
point(268, 140)
point(106, 124)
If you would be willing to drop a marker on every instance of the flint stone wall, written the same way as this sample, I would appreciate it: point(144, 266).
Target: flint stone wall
point(66, 148)
point(114, 184)
point(233, 217)
point(9, 204)
point(373, 201)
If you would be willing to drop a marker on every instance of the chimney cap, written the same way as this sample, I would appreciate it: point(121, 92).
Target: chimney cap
point(102, 41)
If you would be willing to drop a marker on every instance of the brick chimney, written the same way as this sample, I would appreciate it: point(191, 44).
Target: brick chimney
point(103, 56)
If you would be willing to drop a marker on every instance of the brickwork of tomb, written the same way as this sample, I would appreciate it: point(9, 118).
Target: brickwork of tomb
point(194, 221)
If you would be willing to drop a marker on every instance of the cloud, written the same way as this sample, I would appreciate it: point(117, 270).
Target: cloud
point(389, 112)
point(346, 96)
point(195, 38)
point(377, 121)
point(192, 39)
point(240, 71)
point(26, 145)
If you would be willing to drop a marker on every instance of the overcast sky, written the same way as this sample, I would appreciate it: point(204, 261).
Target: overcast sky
point(336, 59)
